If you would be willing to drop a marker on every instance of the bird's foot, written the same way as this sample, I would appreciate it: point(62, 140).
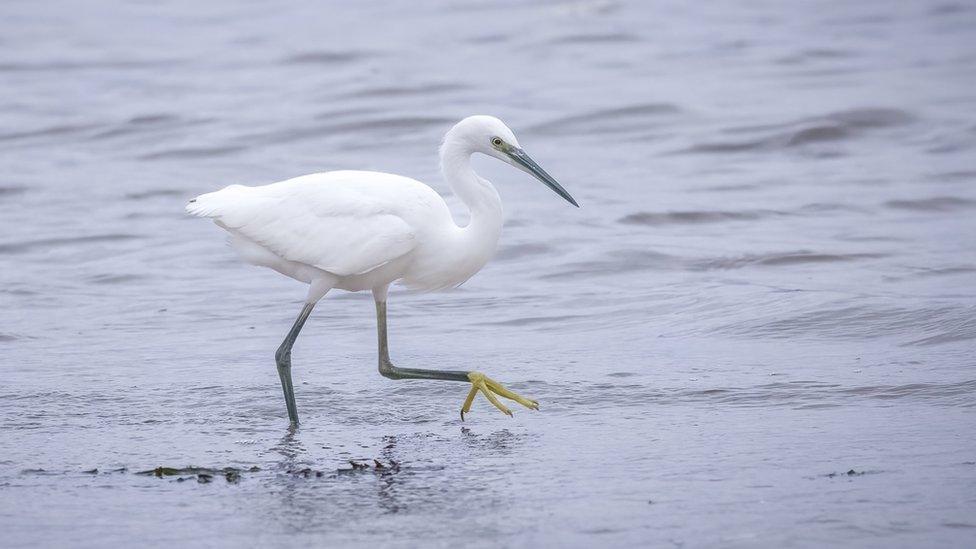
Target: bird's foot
point(490, 388)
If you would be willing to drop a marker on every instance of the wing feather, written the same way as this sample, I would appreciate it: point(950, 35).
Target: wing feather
point(343, 224)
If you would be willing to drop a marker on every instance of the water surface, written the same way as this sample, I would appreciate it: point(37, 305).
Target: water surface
point(758, 330)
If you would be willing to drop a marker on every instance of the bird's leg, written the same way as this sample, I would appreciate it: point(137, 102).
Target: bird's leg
point(479, 381)
point(283, 359)
point(387, 369)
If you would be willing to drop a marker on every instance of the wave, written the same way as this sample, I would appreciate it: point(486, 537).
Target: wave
point(776, 259)
point(933, 204)
point(324, 57)
point(614, 120)
point(796, 394)
point(29, 245)
point(828, 128)
point(915, 326)
point(694, 217)
point(192, 152)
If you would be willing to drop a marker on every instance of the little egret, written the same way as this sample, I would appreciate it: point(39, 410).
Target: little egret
point(359, 230)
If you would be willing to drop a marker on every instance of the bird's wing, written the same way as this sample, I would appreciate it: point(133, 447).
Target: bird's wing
point(342, 225)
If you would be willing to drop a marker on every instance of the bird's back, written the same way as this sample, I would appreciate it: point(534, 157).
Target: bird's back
point(343, 222)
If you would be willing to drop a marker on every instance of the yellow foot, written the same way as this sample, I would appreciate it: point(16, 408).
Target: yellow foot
point(490, 388)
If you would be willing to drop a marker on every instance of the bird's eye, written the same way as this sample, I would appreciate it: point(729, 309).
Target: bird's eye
point(496, 141)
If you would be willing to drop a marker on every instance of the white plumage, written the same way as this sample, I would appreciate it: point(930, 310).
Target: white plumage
point(343, 223)
point(346, 223)
point(358, 230)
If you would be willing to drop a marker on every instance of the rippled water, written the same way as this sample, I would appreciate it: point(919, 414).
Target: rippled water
point(758, 331)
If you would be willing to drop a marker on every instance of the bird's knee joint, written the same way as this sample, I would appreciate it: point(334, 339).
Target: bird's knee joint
point(387, 371)
point(283, 358)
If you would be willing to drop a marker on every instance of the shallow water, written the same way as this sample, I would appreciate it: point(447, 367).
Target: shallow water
point(771, 283)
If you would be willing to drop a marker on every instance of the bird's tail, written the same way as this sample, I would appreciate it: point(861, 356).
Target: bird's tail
point(215, 204)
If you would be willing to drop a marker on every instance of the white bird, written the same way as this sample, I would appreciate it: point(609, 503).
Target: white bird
point(359, 230)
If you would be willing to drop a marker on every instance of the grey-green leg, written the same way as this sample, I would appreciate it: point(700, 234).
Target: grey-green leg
point(387, 369)
point(283, 359)
point(479, 381)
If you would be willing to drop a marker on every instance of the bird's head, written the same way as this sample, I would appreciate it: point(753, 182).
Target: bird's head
point(490, 136)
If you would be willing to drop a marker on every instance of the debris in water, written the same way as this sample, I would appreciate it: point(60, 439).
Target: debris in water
point(850, 473)
point(34, 472)
point(376, 467)
point(203, 475)
point(306, 472)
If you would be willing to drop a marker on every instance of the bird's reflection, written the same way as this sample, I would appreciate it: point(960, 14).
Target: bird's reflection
point(290, 447)
point(309, 498)
point(297, 501)
point(391, 481)
point(311, 487)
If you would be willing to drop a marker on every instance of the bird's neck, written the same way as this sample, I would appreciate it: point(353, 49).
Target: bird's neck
point(477, 193)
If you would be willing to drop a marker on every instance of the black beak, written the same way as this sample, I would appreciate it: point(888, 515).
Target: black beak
point(525, 162)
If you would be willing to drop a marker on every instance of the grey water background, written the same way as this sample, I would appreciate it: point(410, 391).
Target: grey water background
point(771, 283)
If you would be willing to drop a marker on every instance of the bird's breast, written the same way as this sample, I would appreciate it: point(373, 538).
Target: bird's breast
point(450, 261)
